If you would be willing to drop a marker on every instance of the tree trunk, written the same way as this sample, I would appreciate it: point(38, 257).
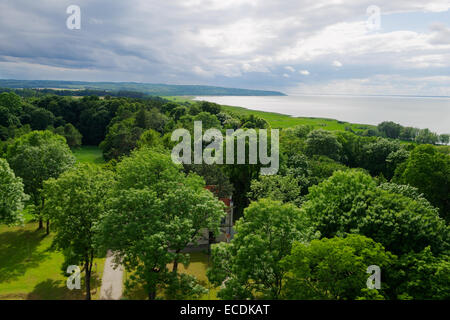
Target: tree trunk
point(48, 227)
point(152, 295)
point(41, 225)
point(175, 266)
point(175, 263)
point(87, 280)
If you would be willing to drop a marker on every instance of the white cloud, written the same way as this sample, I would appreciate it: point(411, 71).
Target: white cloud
point(304, 72)
point(337, 64)
point(289, 68)
point(381, 84)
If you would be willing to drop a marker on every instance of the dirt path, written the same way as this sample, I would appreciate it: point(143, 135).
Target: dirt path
point(112, 281)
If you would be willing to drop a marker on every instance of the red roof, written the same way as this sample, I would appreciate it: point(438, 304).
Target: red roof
point(213, 189)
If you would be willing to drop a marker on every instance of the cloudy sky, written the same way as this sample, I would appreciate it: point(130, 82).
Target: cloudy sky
point(309, 47)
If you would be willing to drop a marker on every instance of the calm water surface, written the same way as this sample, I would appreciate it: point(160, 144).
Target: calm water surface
point(421, 112)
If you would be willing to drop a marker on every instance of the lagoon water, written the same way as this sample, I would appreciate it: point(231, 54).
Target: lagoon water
point(420, 112)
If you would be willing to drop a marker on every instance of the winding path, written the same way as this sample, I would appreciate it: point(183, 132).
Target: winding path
point(112, 280)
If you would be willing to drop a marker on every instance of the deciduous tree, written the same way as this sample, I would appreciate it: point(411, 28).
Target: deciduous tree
point(75, 204)
point(249, 266)
point(12, 196)
point(36, 157)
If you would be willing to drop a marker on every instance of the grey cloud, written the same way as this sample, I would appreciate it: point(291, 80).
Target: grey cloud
point(160, 41)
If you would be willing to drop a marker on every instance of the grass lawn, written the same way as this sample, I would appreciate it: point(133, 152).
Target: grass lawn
point(89, 154)
point(198, 266)
point(31, 269)
point(281, 121)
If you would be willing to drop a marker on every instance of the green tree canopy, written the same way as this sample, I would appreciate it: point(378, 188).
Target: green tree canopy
point(350, 202)
point(249, 266)
point(12, 196)
point(390, 129)
point(323, 143)
point(375, 154)
point(75, 204)
point(36, 157)
point(421, 276)
point(154, 212)
point(428, 171)
point(333, 268)
point(276, 187)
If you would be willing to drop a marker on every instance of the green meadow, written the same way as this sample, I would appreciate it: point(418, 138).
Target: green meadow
point(89, 154)
point(282, 121)
point(30, 269)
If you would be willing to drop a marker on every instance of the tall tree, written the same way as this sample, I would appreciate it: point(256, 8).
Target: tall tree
point(249, 266)
point(429, 171)
point(276, 187)
point(12, 197)
point(75, 204)
point(390, 129)
point(155, 211)
point(323, 143)
point(333, 268)
point(36, 157)
point(350, 202)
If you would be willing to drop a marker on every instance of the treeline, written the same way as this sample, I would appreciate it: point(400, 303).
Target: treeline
point(26, 93)
point(146, 88)
point(87, 117)
point(389, 129)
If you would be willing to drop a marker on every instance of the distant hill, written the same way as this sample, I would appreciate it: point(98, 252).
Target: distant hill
point(146, 88)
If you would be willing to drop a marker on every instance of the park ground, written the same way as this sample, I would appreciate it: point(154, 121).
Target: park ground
point(30, 269)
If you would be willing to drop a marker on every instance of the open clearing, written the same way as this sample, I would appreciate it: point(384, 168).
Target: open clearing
point(30, 269)
point(89, 154)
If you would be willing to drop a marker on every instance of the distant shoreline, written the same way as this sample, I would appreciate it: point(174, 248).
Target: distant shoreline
point(154, 89)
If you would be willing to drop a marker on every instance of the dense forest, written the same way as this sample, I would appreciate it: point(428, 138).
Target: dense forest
point(341, 201)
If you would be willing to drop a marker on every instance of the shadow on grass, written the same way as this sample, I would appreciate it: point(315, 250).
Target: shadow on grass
point(57, 290)
point(54, 290)
point(18, 252)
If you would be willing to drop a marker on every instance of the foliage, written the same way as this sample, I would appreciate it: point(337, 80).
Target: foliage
point(276, 187)
point(428, 171)
point(249, 266)
point(214, 175)
point(72, 135)
point(155, 211)
point(36, 157)
point(350, 202)
point(390, 129)
point(150, 139)
point(120, 140)
point(324, 143)
point(321, 168)
point(332, 268)
point(426, 136)
point(12, 197)
point(375, 157)
point(74, 203)
point(421, 276)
